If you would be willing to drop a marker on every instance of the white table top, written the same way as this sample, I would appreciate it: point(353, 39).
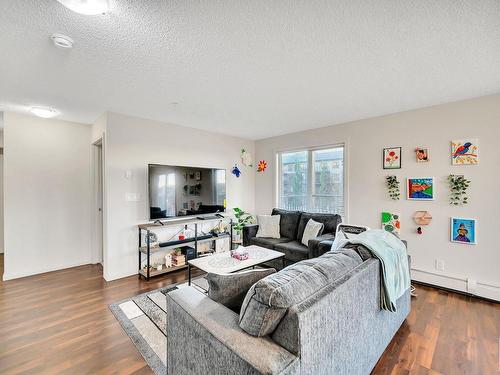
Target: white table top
point(223, 263)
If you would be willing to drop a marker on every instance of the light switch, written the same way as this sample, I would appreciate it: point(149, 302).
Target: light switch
point(128, 175)
point(132, 197)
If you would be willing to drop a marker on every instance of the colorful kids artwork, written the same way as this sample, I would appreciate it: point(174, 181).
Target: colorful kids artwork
point(465, 152)
point(392, 158)
point(391, 222)
point(420, 188)
point(463, 231)
point(261, 167)
point(422, 155)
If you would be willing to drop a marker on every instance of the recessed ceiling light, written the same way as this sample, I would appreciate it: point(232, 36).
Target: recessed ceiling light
point(87, 7)
point(62, 41)
point(44, 112)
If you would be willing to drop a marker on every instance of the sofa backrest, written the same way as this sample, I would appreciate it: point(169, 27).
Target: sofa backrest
point(330, 222)
point(289, 222)
point(341, 328)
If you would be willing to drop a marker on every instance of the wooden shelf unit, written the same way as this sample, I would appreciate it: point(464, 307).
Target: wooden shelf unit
point(147, 250)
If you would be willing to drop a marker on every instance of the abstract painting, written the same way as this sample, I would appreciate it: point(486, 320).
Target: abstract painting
point(463, 231)
point(465, 152)
point(391, 222)
point(421, 189)
point(392, 158)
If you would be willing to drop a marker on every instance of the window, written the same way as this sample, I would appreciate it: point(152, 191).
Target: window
point(312, 180)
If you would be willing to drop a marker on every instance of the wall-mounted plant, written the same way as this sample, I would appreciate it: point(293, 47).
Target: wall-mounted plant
point(458, 189)
point(393, 187)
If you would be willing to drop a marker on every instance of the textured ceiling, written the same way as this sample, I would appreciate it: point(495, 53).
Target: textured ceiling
point(250, 68)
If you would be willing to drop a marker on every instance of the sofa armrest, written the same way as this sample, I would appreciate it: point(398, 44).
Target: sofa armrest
point(314, 244)
point(249, 231)
point(204, 338)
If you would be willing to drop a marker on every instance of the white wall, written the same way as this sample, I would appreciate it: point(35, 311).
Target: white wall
point(47, 195)
point(1, 184)
point(433, 127)
point(131, 144)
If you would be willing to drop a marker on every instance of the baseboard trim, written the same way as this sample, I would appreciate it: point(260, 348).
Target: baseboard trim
point(18, 275)
point(455, 283)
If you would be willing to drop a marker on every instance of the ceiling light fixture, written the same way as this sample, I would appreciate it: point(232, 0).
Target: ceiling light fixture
point(62, 41)
point(44, 112)
point(87, 7)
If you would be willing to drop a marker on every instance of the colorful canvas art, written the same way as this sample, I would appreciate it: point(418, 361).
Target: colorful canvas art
point(420, 188)
point(391, 222)
point(464, 231)
point(392, 158)
point(422, 155)
point(465, 152)
point(261, 167)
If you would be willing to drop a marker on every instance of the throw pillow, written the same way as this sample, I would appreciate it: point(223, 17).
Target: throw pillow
point(269, 226)
point(230, 289)
point(313, 229)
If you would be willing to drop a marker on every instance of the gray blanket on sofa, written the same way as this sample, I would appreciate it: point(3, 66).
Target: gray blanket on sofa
point(391, 252)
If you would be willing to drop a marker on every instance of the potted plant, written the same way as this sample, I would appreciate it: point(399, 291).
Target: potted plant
point(242, 218)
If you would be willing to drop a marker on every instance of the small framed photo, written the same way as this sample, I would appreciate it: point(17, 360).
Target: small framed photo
point(422, 155)
point(464, 231)
point(392, 158)
point(420, 189)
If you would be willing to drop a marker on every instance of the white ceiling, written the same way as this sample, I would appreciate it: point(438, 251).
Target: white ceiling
point(252, 68)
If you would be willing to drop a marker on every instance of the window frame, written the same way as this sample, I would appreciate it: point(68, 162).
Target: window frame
point(310, 173)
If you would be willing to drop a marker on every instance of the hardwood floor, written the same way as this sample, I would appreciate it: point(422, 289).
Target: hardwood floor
point(59, 323)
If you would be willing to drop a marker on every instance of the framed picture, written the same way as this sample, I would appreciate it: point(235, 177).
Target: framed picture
point(391, 222)
point(464, 231)
point(465, 152)
point(420, 189)
point(422, 155)
point(392, 158)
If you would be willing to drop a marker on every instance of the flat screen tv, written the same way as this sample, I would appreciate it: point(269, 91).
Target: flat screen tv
point(185, 191)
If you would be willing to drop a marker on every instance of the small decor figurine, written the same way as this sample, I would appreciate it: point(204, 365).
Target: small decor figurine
point(246, 158)
point(236, 171)
point(392, 158)
point(261, 167)
point(393, 187)
point(458, 190)
point(168, 260)
point(465, 152)
point(422, 154)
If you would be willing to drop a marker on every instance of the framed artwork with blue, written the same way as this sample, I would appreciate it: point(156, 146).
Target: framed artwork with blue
point(420, 189)
point(464, 231)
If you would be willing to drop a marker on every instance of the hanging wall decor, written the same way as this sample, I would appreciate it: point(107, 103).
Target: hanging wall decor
point(392, 158)
point(464, 231)
point(422, 155)
point(236, 171)
point(465, 152)
point(420, 189)
point(458, 190)
point(246, 158)
point(261, 167)
point(393, 187)
point(422, 218)
point(391, 222)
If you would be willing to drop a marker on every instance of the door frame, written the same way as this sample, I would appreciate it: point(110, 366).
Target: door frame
point(98, 242)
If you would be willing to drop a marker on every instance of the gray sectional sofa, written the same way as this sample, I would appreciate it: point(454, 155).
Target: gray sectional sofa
point(292, 225)
point(320, 316)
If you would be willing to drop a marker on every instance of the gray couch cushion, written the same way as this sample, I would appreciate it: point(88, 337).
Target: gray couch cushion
point(289, 223)
point(268, 243)
point(230, 289)
point(268, 300)
point(330, 222)
point(293, 250)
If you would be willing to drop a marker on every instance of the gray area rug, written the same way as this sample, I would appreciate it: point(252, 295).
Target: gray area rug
point(144, 319)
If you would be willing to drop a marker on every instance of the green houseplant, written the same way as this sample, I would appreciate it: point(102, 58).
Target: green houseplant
point(458, 189)
point(242, 218)
point(393, 187)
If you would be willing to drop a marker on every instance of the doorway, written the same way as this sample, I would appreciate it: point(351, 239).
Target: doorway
point(98, 206)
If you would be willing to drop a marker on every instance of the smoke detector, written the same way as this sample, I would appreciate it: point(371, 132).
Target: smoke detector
point(62, 41)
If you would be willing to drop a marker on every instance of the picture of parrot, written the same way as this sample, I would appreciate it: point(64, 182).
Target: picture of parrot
point(462, 150)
